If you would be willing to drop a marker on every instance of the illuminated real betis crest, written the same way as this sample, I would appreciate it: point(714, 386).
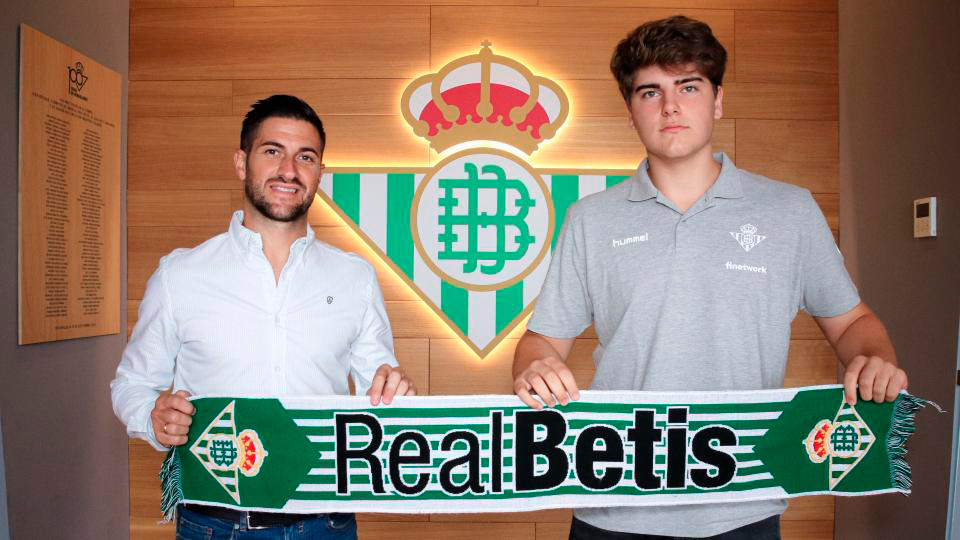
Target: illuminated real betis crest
point(473, 234)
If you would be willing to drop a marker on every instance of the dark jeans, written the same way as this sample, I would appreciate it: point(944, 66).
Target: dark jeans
point(194, 526)
point(767, 529)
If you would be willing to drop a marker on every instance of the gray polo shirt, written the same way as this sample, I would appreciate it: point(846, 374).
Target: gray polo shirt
point(701, 300)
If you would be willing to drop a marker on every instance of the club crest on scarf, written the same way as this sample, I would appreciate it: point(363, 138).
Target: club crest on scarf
point(842, 442)
point(492, 454)
point(471, 235)
point(226, 455)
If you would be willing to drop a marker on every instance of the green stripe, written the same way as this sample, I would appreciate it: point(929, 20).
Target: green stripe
point(564, 190)
point(614, 180)
point(733, 409)
point(454, 303)
point(509, 305)
point(399, 239)
point(346, 195)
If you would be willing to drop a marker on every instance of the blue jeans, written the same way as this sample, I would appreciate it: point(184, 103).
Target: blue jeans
point(194, 526)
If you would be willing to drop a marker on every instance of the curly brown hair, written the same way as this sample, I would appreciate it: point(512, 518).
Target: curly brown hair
point(671, 42)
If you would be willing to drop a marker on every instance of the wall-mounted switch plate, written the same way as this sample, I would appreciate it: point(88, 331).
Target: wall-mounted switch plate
point(925, 217)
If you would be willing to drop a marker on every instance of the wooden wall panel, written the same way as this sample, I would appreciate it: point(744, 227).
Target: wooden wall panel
point(327, 96)
point(289, 43)
point(454, 372)
point(560, 515)
point(553, 531)
point(778, 5)
point(786, 47)
point(176, 153)
point(801, 152)
point(372, 141)
point(180, 98)
point(371, 516)
point(185, 208)
point(804, 327)
point(285, 3)
point(807, 530)
point(145, 515)
point(414, 356)
point(197, 65)
point(777, 101)
point(542, 36)
point(810, 362)
point(136, 4)
point(830, 206)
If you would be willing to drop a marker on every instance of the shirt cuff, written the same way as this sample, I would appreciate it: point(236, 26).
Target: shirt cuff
point(145, 432)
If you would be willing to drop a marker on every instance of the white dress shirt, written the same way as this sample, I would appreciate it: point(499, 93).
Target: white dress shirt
point(214, 320)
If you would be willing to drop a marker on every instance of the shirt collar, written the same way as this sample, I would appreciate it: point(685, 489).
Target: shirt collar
point(249, 241)
point(726, 186)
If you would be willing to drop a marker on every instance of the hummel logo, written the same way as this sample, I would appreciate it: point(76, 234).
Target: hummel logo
point(748, 237)
point(631, 240)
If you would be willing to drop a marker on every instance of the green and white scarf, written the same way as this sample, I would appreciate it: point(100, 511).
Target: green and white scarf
point(436, 454)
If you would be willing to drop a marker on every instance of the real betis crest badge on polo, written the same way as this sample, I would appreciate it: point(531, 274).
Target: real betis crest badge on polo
point(473, 234)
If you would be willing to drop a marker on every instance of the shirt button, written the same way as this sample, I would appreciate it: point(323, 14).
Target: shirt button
point(277, 369)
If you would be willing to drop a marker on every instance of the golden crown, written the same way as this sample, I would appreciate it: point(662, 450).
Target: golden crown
point(484, 96)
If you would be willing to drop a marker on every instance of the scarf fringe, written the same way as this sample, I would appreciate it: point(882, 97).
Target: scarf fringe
point(901, 427)
point(172, 487)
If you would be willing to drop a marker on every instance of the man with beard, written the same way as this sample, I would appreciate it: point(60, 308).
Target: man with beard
point(264, 309)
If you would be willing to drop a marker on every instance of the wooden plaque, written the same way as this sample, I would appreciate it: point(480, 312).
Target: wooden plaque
point(69, 193)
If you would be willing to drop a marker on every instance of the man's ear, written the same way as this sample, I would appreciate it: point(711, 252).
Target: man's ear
point(718, 104)
point(240, 163)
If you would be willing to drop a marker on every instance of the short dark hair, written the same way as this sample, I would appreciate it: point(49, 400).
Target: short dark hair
point(671, 42)
point(281, 106)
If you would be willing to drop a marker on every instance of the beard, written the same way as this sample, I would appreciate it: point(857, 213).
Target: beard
point(255, 195)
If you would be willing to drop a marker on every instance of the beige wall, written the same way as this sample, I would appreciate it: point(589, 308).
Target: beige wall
point(64, 451)
point(898, 142)
point(196, 65)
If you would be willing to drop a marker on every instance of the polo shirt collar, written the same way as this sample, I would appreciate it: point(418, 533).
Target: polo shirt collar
point(726, 186)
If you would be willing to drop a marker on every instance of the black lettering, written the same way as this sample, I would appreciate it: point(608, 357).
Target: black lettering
point(496, 451)
point(677, 448)
point(644, 434)
point(587, 456)
point(702, 450)
point(422, 457)
point(345, 454)
point(471, 459)
point(558, 465)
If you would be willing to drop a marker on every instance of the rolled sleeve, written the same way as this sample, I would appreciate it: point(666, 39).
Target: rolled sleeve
point(564, 308)
point(827, 290)
point(147, 365)
point(373, 346)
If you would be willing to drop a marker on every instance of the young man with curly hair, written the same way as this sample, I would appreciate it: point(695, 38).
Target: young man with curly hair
point(705, 301)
